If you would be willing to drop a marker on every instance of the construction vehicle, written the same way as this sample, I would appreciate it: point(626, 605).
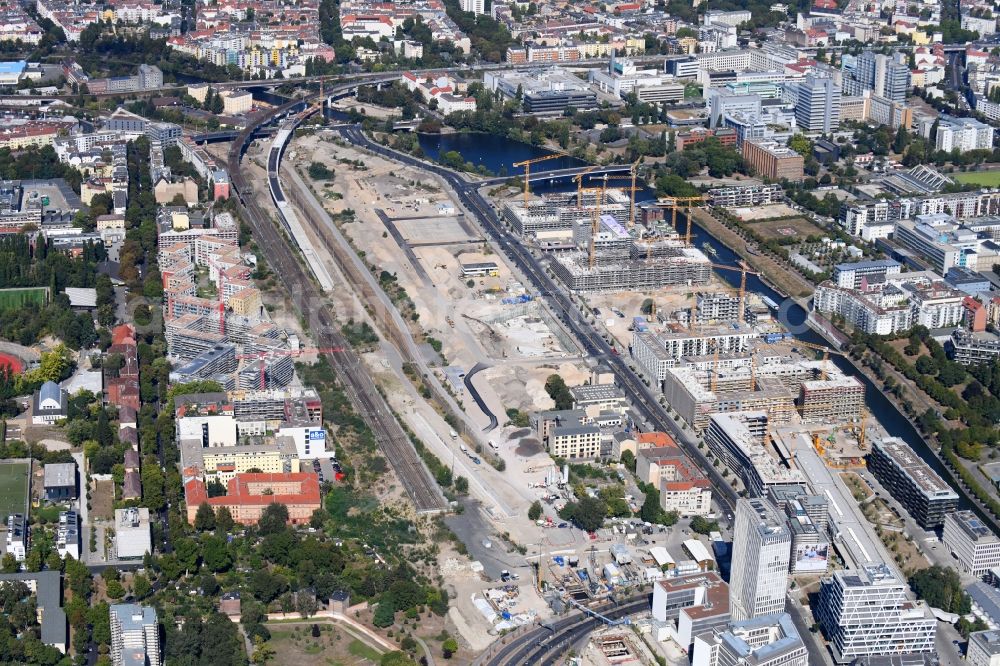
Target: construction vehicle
point(527, 171)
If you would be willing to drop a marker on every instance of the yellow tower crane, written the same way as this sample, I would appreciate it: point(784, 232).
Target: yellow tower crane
point(579, 184)
point(826, 355)
point(673, 203)
point(527, 170)
point(742, 268)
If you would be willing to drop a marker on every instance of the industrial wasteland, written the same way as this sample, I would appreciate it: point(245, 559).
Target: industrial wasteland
point(500, 333)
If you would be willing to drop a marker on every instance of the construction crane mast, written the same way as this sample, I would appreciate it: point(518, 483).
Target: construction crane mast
point(527, 171)
point(742, 268)
point(673, 203)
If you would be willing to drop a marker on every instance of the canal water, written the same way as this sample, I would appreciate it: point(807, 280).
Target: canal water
point(495, 152)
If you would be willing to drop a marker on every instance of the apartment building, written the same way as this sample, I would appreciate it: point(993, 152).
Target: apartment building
point(850, 275)
point(247, 495)
point(135, 635)
point(984, 648)
point(916, 486)
point(837, 399)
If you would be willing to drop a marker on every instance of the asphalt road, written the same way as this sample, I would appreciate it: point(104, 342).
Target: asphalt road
point(561, 304)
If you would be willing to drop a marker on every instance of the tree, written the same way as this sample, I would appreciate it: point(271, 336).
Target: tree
point(461, 485)
point(556, 387)
point(397, 658)
point(535, 511)
point(901, 141)
point(262, 652)
point(215, 554)
point(204, 519)
point(703, 525)
point(273, 519)
point(385, 612)
point(224, 522)
point(588, 514)
point(801, 144)
point(941, 588)
point(628, 459)
point(449, 647)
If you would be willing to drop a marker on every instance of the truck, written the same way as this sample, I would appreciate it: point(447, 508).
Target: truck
point(454, 435)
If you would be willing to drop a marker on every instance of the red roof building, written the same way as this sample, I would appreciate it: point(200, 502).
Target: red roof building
point(248, 494)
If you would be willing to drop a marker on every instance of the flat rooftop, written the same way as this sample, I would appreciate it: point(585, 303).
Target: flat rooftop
point(853, 535)
point(916, 469)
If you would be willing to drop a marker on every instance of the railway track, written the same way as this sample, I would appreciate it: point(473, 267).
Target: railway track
point(546, 644)
point(313, 308)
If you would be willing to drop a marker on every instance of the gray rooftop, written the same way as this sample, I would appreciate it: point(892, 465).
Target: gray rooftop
point(59, 475)
point(987, 641)
point(48, 596)
point(987, 598)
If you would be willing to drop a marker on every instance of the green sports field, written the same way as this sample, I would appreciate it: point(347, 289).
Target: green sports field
point(16, 298)
point(986, 178)
point(13, 488)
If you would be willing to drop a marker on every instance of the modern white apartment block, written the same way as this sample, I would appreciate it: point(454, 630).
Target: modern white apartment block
point(762, 545)
point(850, 275)
point(135, 635)
point(963, 133)
point(973, 543)
point(866, 612)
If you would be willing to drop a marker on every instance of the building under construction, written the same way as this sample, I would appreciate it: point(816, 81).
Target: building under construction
point(558, 214)
point(688, 267)
point(697, 394)
point(837, 398)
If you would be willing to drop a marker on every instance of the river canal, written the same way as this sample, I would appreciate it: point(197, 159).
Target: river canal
point(496, 152)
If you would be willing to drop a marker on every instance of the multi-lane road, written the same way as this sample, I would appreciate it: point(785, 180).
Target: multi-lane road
point(547, 643)
point(591, 342)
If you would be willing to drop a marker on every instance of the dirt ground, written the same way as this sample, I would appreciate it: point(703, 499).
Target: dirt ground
point(102, 500)
point(757, 213)
point(294, 644)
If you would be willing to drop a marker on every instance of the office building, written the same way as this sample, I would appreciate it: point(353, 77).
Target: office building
point(947, 244)
point(549, 90)
point(761, 549)
point(736, 438)
point(817, 107)
point(59, 481)
point(883, 75)
point(135, 635)
point(771, 160)
point(916, 486)
point(688, 605)
point(649, 85)
point(984, 648)
point(865, 612)
point(972, 542)
point(769, 640)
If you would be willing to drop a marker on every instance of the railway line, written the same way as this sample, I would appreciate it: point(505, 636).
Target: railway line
point(547, 643)
point(312, 306)
point(561, 304)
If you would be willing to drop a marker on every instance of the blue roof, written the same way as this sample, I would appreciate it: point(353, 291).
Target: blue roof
point(12, 66)
point(50, 391)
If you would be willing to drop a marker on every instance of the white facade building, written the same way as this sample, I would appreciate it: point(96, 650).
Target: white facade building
point(135, 635)
point(762, 546)
point(973, 543)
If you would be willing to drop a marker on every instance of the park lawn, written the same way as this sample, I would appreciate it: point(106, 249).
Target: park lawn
point(987, 178)
point(304, 650)
point(13, 488)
